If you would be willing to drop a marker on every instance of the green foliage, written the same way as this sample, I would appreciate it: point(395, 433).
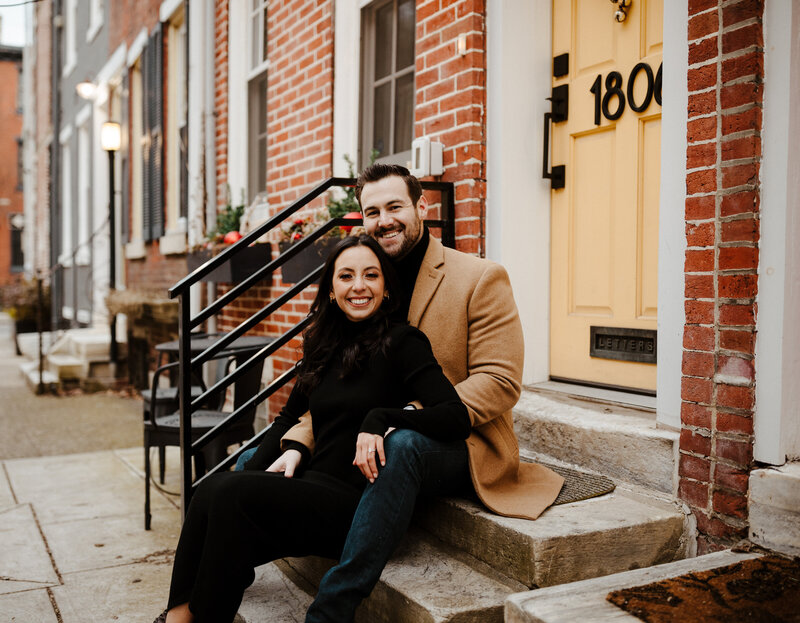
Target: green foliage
point(228, 219)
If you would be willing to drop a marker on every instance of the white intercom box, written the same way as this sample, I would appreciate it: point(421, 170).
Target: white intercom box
point(426, 157)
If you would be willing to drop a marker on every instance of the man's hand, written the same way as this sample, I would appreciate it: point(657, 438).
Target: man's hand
point(367, 446)
point(287, 463)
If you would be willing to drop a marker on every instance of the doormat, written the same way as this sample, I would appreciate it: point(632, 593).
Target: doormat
point(758, 590)
point(579, 485)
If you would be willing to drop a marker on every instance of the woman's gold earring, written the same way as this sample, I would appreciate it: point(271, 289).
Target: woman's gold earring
point(385, 296)
point(332, 297)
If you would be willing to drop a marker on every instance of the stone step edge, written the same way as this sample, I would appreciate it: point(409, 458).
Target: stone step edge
point(403, 594)
point(618, 443)
point(577, 600)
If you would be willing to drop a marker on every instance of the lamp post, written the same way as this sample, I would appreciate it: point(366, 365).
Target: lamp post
point(110, 140)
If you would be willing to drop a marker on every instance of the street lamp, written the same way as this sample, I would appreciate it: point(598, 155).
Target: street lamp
point(110, 140)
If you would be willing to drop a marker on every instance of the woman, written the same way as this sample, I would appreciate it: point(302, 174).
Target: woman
point(358, 372)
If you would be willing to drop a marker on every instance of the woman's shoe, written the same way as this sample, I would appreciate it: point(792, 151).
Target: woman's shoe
point(161, 618)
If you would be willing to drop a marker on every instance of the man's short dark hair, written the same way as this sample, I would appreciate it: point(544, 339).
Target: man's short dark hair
point(377, 171)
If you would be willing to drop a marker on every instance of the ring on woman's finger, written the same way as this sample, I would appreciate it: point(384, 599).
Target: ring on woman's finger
point(371, 450)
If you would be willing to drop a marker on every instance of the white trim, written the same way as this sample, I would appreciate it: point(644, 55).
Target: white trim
point(518, 201)
point(114, 65)
point(137, 47)
point(83, 115)
point(65, 134)
point(135, 250)
point(84, 315)
point(237, 100)
point(172, 243)
point(167, 8)
point(671, 214)
point(67, 312)
point(96, 11)
point(346, 80)
point(777, 363)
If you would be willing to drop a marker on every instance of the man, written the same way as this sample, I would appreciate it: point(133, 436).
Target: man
point(466, 308)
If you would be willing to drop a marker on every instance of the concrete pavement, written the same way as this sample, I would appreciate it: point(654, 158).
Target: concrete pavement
point(72, 542)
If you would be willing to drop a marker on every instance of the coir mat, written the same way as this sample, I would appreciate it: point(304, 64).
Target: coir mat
point(758, 590)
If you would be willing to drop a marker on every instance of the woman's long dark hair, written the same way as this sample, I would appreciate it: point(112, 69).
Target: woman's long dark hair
point(330, 331)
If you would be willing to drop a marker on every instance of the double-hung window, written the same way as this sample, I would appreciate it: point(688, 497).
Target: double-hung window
point(387, 83)
point(257, 98)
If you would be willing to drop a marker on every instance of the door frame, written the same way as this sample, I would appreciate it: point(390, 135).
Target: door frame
point(518, 200)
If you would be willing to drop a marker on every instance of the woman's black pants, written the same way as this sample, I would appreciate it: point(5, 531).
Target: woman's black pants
point(240, 520)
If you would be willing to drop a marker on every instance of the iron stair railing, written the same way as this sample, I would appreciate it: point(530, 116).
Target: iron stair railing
point(187, 322)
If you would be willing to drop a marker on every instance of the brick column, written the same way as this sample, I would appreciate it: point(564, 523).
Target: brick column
point(725, 81)
point(221, 99)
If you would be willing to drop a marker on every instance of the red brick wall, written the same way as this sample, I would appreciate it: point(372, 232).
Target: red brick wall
point(451, 105)
point(128, 17)
point(725, 83)
point(10, 184)
point(221, 98)
point(300, 142)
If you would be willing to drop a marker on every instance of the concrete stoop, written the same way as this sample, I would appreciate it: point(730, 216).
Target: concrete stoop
point(586, 600)
point(774, 509)
point(461, 562)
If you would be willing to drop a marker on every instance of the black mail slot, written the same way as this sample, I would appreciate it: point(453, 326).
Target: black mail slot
point(623, 344)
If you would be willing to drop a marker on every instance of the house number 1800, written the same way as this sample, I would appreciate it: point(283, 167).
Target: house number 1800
point(613, 83)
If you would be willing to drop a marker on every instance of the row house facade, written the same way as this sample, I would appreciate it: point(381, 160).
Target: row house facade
point(630, 166)
point(12, 219)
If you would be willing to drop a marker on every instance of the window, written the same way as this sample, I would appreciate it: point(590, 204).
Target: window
point(84, 163)
point(95, 18)
point(17, 227)
point(152, 140)
point(174, 239)
point(20, 167)
point(388, 81)
point(66, 205)
point(70, 39)
point(135, 247)
point(257, 99)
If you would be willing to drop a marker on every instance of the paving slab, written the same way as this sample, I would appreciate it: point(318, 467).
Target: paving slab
point(24, 562)
point(585, 601)
point(569, 542)
point(6, 495)
point(79, 486)
point(134, 458)
point(85, 544)
point(127, 594)
point(274, 598)
point(28, 607)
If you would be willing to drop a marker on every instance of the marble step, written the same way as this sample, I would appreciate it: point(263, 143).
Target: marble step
point(615, 532)
point(425, 582)
point(620, 442)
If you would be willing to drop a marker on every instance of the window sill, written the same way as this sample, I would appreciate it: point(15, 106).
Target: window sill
point(135, 250)
point(172, 243)
point(67, 70)
point(93, 30)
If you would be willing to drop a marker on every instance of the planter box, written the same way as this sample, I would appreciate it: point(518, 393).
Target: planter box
point(237, 269)
point(308, 259)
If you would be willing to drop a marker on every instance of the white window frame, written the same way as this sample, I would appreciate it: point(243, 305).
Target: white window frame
point(96, 18)
point(65, 257)
point(84, 166)
point(174, 239)
point(135, 248)
point(368, 88)
point(70, 37)
point(258, 65)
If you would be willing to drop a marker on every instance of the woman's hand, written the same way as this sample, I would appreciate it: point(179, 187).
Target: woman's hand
point(287, 463)
point(367, 446)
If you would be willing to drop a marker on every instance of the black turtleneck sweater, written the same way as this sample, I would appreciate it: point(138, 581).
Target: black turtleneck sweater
point(370, 400)
point(407, 270)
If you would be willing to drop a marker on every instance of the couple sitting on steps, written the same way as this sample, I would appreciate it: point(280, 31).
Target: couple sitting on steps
point(411, 365)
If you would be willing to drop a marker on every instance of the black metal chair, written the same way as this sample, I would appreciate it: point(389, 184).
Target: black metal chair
point(164, 430)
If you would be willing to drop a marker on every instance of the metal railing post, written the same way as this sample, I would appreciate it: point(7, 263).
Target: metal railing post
point(184, 398)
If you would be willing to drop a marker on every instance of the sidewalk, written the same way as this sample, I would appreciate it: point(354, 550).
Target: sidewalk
point(73, 548)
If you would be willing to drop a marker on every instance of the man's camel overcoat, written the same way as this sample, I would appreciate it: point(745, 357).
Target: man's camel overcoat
point(465, 306)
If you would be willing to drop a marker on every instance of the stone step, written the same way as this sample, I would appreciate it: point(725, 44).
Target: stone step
point(615, 532)
point(425, 582)
point(66, 366)
point(774, 509)
point(586, 600)
point(619, 442)
point(30, 371)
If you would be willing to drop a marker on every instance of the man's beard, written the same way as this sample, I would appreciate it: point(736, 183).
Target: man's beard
point(410, 239)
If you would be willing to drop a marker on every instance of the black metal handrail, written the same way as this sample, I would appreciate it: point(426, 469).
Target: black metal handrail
point(187, 322)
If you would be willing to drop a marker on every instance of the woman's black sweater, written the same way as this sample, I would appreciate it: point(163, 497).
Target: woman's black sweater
point(370, 399)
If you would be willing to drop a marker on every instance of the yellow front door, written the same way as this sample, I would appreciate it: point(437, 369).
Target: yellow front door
point(604, 235)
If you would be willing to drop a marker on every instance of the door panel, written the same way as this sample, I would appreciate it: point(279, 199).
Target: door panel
point(604, 236)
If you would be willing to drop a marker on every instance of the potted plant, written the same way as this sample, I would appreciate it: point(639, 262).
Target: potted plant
point(244, 262)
